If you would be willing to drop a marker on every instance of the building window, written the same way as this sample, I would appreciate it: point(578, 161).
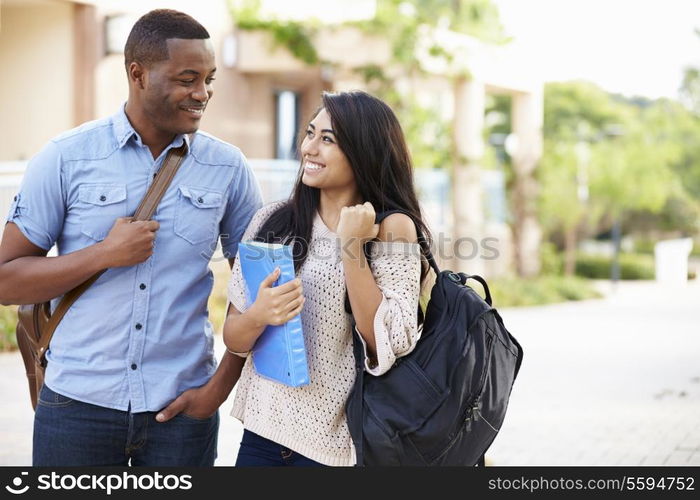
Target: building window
point(286, 124)
point(117, 28)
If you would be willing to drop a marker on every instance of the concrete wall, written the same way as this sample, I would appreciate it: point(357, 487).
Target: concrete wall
point(242, 109)
point(47, 95)
point(36, 53)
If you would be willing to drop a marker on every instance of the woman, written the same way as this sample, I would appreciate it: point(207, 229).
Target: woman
point(354, 162)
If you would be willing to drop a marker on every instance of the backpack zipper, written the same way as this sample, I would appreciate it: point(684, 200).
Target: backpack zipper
point(473, 405)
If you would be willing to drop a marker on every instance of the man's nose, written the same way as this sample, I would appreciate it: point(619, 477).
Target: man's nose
point(200, 92)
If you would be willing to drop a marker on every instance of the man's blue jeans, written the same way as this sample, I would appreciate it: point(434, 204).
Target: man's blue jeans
point(72, 433)
point(257, 451)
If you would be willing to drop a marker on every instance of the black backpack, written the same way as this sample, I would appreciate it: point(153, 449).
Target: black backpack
point(443, 403)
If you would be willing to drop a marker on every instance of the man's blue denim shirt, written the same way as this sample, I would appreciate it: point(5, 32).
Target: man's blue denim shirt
point(140, 336)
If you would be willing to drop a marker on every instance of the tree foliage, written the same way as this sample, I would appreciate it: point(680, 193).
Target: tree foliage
point(690, 88)
point(294, 36)
point(401, 22)
point(633, 156)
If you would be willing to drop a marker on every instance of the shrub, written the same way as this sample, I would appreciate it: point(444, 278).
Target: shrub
point(218, 300)
point(509, 292)
point(632, 266)
point(551, 259)
point(644, 246)
point(8, 322)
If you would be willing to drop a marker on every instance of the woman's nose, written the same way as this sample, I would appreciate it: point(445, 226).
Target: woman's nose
point(309, 147)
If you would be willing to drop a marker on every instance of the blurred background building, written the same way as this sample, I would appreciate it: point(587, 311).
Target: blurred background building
point(69, 54)
point(517, 177)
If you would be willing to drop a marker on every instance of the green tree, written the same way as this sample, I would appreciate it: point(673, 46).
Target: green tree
point(606, 156)
point(402, 22)
point(664, 142)
point(577, 115)
point(690, 87)
point(636, 171)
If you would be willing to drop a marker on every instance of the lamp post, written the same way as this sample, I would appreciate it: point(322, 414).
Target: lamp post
point(583, 158)
point(615, 130)
point(583, 155)
point(616, 237)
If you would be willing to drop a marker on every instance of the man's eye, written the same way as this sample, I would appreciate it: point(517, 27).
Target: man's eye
point(187, 82)
point(210, 80)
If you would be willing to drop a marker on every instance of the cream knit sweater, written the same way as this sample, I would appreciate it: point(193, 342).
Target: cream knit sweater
point(311, 419)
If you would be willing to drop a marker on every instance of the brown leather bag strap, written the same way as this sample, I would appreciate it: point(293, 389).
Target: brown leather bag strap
point(165, 175)
point(145, 211)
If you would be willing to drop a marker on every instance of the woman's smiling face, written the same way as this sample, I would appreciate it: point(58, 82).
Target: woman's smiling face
point(324, 163)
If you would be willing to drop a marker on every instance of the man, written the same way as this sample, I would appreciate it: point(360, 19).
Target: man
point(131, 375)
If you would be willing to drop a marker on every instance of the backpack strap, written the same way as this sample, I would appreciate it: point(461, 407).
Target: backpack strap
point(425, 250)
point(358, 395)
point(482, 281)
point(425, 247)
point(358, 350)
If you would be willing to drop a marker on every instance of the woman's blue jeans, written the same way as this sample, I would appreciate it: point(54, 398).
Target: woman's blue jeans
point(257, 451)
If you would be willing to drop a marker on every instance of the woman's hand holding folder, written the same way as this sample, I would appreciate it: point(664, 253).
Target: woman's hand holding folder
point(274, 305)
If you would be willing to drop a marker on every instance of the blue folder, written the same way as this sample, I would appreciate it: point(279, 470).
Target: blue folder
point(279, 353)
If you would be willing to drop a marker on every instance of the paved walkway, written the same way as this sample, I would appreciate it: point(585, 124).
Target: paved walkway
point(607, 382)
point(604, 382)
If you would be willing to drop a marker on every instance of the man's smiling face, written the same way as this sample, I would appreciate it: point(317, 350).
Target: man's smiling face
point(177, 90)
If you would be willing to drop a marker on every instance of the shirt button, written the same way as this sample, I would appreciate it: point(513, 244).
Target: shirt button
point(200, 200)
point(154, 175)
point(142, 286)
point(15, 199)
point(139, 326)
point(133, 366)
point(103, 198)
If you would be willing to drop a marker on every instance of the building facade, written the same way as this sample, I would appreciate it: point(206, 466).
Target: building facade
point(67, 68)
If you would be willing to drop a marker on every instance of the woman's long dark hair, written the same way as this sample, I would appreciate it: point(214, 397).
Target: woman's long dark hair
point(370, 136)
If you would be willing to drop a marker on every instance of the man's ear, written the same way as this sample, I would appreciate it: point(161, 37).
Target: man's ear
point(137, 74)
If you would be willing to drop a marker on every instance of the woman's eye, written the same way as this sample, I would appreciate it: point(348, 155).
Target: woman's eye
point(309, 133)
point(210, 80)
point(327, 139)
point(187, 82)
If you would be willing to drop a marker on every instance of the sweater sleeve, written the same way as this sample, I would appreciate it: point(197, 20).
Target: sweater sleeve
point(396, 268)
point(237, 294)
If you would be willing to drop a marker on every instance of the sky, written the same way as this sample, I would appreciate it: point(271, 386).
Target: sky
point(633, 47)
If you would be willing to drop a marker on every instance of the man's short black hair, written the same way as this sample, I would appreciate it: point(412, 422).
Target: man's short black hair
point(147, 41)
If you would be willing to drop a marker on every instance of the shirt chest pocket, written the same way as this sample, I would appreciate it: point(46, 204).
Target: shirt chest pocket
point(100, 205)
point(197, 214)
